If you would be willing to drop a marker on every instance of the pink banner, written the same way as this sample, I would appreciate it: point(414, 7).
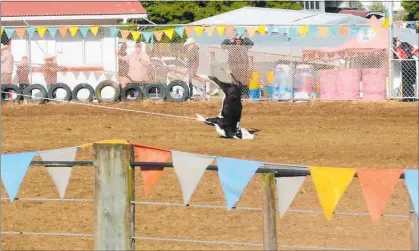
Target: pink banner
point(339, 84)
point(328, 81)
point(374, 84)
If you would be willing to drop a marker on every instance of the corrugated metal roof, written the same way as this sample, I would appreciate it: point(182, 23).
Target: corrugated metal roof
point(269, 16)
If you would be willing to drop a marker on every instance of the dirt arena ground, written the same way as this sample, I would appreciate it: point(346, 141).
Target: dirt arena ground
point(341, 134)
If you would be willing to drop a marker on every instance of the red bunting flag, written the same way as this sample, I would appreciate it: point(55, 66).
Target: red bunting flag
point(151, 175)
point(377, 184)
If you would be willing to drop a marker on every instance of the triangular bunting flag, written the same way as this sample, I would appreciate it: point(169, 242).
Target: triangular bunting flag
point(240, 30)
point(220, 29)
point(303, 30)
point(9, 32)
point(169, 33)
point(1, 31)
point(292, 32)
point(330, 184)
point(97, 75)
point(189, 170)
point(343, 30)
point(210, 30)
point(229, 31)
point(113, 31)
point(41, 31)
point(354, 31)
point(60, 175)
point(84, 30)
point(63, 31)
point(287, 188)
point(312, 30)
point(158, 35)
point(411, 179)
point(234, 175)
point(334, 30)
point(31, 31)
point(251, 31)
point(282, 31)
point(125, 34)
point(377, 184)
point(151, 175)
point(52, 31)
point(386, 23)
point(271, 29)
point(198, 30)
point(147, 35)
point(94, 30)
point(76, 74)
point(73, 30)
point(135, 35)
point(188, 30)
point(20, 32)
point(323, 30)
point(262, 30)
point(13, 169)
point(108, 76)
point(180, 30)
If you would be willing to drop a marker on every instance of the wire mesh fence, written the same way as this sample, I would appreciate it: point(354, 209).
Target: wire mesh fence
point(159, 62)
point(404, 60)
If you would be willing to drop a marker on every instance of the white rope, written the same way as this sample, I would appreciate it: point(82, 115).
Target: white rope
point(109, 108)
point(49, 234)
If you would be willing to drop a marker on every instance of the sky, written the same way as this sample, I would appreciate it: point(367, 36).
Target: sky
point(396, 4)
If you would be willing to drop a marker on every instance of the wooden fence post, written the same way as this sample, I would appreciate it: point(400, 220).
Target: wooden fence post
point(414, 222)
point(113, 195)
point(269, 212)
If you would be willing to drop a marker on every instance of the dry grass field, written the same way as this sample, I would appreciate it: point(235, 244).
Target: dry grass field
point(340, 134)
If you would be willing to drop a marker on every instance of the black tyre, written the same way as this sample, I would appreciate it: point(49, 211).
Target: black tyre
point(106, 83)
point(155, 91)
point(180, 92)
point(41, 97)
point(5, 93)
point(52, 91)
point(132, 90)
point(80, 87)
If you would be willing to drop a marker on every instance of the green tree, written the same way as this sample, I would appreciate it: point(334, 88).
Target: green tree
point(378, 7)
point(412, 9)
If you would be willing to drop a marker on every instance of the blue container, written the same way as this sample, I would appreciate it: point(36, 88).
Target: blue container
point(254, 94)
point(270, 90)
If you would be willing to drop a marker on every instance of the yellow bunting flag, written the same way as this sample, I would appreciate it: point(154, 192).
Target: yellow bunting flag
point(220, 29)
point(94, 30)
point(20, 32)
point(199, 30)
point(376, 28)
point(386, 23)
point(229, 31)
point(1, 31)
point(262, 30)
point(330, 184)
point(62, 31)
point(158, 35)
point(343, 30)
point(107, 141)
point(125, 34)
point(73, 30)
point(303, 30)
point(251, 31)
point(210, 30)
point(169, 33)
point(41, 31)
point(135, 35)
point(323, 30)
point(188, 30)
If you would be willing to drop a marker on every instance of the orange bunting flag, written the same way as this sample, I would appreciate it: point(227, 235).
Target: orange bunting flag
point(330, 184)
point(251, 31)
point(73, 30)
point(151, 175)
point(220, 29)
point(169, 33)
point(377, 184)
point(94, 30)
point(229, 31)
point(41, 31)
point(62, 31)
point(303, 30)
point(199, 30)
point(262, 30)
point(209, 30)
point(125, 34)
point(158, 35)
point(135, 35)
point(323, 30)
point(343, 30)
point(188, 30)
point(20, 32)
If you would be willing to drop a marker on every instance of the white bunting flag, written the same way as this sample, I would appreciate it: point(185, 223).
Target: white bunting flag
point(97, 75)
point(60, 175)
point(189, 169)
point(287, 188)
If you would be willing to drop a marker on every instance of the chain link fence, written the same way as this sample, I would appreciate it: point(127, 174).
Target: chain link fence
point(404, 61)
point(159, 62)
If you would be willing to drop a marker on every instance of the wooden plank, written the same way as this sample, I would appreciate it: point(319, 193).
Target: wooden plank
point(112, 196)
point(269, 212)
point(414, 222)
